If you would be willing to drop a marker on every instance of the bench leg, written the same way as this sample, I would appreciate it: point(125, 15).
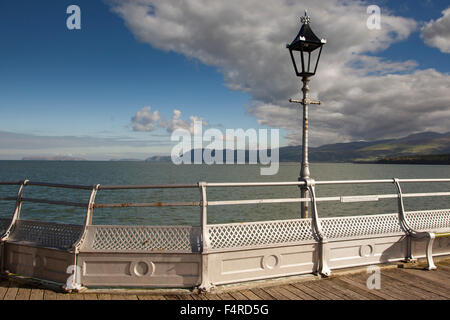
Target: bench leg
point(431, 265)
point(324, 269)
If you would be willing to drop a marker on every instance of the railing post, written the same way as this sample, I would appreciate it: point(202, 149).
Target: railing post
point(75, 284)
point(324, 270)
point(205, 282)
point(15, 217)
point(411, 233)
point(17, 210)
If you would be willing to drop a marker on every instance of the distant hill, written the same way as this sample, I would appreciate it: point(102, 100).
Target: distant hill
point(424, 159)
point(425, 143)
point(159, 159)
point(53, 158)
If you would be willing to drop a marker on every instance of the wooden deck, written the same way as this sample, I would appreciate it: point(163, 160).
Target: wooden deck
point(410, 282)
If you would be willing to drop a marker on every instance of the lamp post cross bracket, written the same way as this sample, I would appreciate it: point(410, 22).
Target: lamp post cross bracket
point(305, 101)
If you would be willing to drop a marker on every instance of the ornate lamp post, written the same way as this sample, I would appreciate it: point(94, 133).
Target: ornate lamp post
point(305, 51)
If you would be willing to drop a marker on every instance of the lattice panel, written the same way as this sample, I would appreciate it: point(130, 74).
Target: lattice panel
point(45, 234)
point(238, 235)
point(346, 227)
point(4, 224)
point(161, 239)
point(429, 220)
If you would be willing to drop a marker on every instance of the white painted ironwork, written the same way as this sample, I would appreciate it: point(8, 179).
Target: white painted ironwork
point(142, 238)
point(319, 243)
point(357, 226)
point(430, 235)
point(259, 234)
point(17, 209)
point(45, 234)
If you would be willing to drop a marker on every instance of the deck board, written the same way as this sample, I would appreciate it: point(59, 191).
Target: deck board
point(411, 282)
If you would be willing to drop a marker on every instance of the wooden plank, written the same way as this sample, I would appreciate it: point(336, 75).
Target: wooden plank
point(342, 291)
point(288, 294)
point(316, 286)
point(37, 294)
point(299, 293)
point(103, 296)
point(443, 270)
point(23, 293)
point(184, 297)
point(238, 296)
point(309, 291)
point(386, 287)
point(90, 296)
point(63, 296)
point(438, 276)
point(150, 297)
point(326, 285)
point(437, 290)
point(431, 280)
point(12, 292)
point(361, 289)
point(250, 295)
point(397, 289)
point(49, 295)
point(432, 275)
point(4, 285)
point(407, 287)
point(262, 294)
point(171, 297)
point(124, 297)
point(225, 296)
point(274, 292)
point(213, 296)
point(76, 296)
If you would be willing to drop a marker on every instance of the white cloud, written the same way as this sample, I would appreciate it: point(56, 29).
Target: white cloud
point(177, 123)
point(145, 120)
point(437, 33)
point(364, 96)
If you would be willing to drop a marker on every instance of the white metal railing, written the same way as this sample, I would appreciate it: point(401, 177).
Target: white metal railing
point(203, 203)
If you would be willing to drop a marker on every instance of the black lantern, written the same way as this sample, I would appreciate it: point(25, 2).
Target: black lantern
point(306, 49)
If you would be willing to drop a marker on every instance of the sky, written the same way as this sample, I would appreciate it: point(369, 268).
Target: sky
point(139, 69)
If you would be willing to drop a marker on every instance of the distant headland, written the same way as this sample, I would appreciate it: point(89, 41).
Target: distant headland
point(53, 158)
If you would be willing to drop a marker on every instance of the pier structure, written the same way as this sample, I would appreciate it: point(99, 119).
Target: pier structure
point(206, 256)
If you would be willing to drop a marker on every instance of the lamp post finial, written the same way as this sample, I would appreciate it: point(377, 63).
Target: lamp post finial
point(305, 19)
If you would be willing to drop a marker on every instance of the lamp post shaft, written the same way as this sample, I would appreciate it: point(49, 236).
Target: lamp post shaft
point(304, 171)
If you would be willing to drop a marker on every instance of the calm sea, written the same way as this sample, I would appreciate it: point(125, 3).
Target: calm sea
point(116, 173)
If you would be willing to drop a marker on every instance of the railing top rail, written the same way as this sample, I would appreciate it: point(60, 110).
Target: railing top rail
point(162, 186)
point(379, 181)
point(59, 185)
point(10, 183)
point(254, 184)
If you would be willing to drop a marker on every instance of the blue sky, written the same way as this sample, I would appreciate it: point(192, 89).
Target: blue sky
point(90, 83)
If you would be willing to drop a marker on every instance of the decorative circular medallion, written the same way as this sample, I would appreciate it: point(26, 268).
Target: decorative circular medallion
point(142, 268)
point(270, 262)
point(38, 263)
point(366, 251)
